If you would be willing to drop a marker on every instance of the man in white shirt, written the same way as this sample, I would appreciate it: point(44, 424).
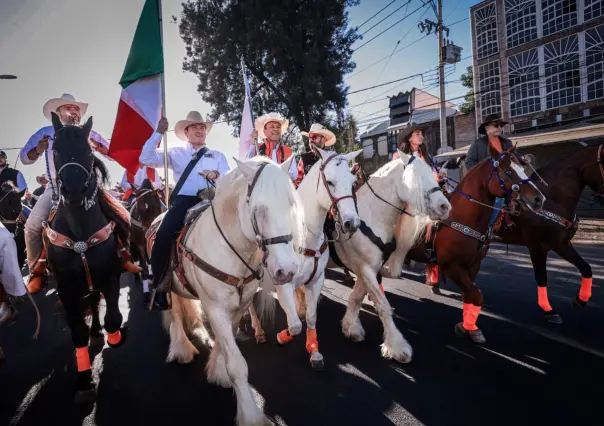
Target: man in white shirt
point(271, 127)
point(193, 165)
point(70, 112)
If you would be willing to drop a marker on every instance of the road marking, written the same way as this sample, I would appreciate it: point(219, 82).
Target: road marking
point(517, 361)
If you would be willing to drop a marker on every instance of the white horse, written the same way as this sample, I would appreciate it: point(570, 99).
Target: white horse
point(327, 187)
point(406, 185)
point(256, 220)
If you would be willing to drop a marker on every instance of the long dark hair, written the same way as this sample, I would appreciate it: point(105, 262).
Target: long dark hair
point(405, 146)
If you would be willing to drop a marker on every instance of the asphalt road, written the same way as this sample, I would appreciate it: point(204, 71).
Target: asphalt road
point(529, 372)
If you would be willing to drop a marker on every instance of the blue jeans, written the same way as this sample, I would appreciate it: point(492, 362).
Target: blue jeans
point(498, 204)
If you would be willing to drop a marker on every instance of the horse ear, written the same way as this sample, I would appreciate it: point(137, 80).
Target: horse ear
point(56, 121)
point(287, 164)
point(404, 157)
point(88, 126)
point(136, 188)
point(246, 168)
point(323, 154)
point(352, 155)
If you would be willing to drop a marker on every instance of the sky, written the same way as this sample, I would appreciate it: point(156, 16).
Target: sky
point(81, 46)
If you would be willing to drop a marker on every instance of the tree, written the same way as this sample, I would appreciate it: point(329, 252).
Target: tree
point(467, 80)
point(296, 53)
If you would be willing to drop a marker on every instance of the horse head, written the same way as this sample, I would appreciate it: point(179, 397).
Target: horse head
point(10, 201)
point(148, 203)
point(419, 188)
point(507, 178)
point(270, 214)
point(335, 187)
point(76, 165)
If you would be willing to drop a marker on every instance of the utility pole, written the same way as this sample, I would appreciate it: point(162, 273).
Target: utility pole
point(448, 53)
point(441, 80)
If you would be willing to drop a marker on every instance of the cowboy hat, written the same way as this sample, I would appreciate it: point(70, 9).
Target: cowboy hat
point(193, 117)
point(405, 133)
point(66, 99)
point(267, 118)
point(490, 119)
point(320, 130)
point(3, 155)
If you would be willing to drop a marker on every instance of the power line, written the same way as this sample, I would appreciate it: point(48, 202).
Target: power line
point(390, 27)
point(393, 12)
point(384, 84)
point(394, 1)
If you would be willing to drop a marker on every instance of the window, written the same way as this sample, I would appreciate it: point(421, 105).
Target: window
point(486, 30)
point(593, 9)
point(562, 72)
point(489, 92)
point(523, 73)
point(558, 15)
point(520, 21)
point(594, 62)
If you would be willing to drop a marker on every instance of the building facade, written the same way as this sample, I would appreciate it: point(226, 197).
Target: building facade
point(538, 63)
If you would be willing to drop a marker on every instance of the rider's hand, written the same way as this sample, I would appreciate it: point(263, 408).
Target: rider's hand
point(209, 174)
point(254, 135)
point(42, 144)
point(162, 126)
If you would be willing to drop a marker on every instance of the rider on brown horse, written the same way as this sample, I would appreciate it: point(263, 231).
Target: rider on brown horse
point(70, 112)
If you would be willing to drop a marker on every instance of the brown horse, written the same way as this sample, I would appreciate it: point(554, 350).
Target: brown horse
point(146, 206)
point(461, 241)
point(554, 227)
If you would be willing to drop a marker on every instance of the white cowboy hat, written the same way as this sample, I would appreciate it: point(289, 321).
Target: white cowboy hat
point(193, 117)
point(267, 118)
point(320, 130)
point(66, 99)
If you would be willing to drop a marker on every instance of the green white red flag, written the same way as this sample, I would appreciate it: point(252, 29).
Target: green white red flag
point(140, 105)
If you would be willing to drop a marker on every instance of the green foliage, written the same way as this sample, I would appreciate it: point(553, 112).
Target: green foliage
point(467, 80)
point(296, 53)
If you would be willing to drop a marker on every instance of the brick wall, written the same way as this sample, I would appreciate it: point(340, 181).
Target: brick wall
point(465, 129)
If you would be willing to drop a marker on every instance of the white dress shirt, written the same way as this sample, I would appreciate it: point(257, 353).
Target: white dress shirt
point(50, 131)
point(139, 178)
point(293, 169)
point(179, 156)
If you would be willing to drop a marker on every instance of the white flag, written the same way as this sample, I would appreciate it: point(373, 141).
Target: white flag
point(247, 124)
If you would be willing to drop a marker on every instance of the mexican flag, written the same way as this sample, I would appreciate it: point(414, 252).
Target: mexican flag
point(140, 105)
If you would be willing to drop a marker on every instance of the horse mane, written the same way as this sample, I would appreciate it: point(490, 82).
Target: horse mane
point(110, 206)
point(101, 170)
point(147, 185)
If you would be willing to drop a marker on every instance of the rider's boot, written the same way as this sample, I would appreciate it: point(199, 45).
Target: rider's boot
point(37, 274)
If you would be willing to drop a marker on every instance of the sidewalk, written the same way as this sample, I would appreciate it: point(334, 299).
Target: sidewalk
point(590, 230)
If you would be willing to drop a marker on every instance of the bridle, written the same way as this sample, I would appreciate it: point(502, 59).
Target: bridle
point(262, 242)
point(334, 209)
point(87, 202)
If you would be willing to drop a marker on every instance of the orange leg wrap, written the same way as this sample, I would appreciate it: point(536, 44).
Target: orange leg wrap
point(585, 292)
point(114, 338)
point(543, 300)
point(312, 344)
point(434, 274)
point(470, 316)
point(82, 359)
point(382, 288)
point(284, 336)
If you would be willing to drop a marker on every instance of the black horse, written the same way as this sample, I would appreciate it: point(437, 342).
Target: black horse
point(145, 208)
point(12, 216)
point(81, 243)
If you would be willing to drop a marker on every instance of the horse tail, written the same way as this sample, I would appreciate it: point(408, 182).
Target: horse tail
point(300, 300)
point(265, 301)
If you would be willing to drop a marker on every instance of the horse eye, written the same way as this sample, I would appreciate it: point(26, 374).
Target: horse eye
point(509, 173)
point(330, 183)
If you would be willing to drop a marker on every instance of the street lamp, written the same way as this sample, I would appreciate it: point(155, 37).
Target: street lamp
point(7, 77)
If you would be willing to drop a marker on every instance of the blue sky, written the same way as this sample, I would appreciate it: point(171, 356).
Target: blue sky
point(80, 47)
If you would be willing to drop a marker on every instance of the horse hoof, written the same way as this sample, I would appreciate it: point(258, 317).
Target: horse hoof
point(475, 336)
point(261, 339)
point(553, 317)
point(85, 396)
point(436, 290)
point(317, 364)
point(578, 303)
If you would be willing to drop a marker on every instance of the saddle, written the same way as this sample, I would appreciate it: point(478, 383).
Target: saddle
point(192, 214)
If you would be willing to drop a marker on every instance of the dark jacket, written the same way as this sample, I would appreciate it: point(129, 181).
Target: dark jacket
point(479, 150)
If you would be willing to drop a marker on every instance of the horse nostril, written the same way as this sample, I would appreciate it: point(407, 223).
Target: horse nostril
point(537, 201)
point(444, 208)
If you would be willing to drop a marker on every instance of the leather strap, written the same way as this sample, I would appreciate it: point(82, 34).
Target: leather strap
point(316, 254)
point(198, 156)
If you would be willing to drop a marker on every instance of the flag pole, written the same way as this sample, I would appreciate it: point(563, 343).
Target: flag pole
point(163, 107)
point(249, 98)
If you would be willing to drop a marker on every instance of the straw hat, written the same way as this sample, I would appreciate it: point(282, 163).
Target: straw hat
point(267, 118)
point(194, 117)
point(320, 130)
point(66, 99)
